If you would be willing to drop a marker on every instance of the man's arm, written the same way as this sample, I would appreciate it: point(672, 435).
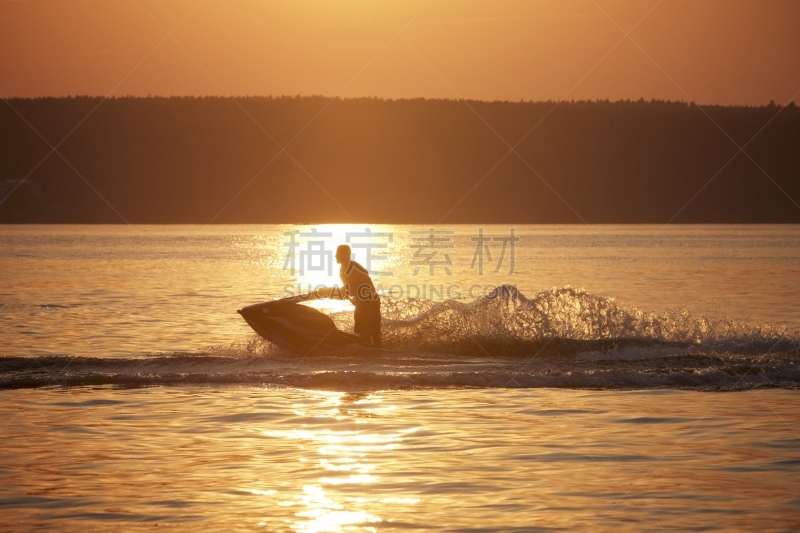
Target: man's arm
point(335, 293)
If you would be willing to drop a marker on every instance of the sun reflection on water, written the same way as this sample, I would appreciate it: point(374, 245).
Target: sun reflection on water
point(323, 513)
point(343, 498)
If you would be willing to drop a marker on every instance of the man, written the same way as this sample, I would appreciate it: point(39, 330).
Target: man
point(357, 287)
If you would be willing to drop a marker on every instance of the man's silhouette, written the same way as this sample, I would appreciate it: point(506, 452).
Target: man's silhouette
point(357, 287)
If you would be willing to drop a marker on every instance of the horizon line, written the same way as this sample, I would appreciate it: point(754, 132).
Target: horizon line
point(640, 100)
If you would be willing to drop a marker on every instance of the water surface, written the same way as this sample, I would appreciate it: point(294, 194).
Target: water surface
point(255, 459)
point(573, 388)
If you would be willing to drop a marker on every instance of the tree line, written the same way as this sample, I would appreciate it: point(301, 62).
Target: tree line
point(369, 160)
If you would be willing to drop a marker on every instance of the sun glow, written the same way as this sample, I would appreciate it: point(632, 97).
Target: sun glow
point(308, 256)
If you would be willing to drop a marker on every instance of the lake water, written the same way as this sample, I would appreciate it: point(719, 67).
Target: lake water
point(535, 378)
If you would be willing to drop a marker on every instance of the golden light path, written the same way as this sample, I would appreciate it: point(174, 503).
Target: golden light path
point(339, 499)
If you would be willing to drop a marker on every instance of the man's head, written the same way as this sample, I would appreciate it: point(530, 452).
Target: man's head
point(343, 254)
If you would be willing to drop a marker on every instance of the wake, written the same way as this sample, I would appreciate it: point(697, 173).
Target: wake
point(561, 338)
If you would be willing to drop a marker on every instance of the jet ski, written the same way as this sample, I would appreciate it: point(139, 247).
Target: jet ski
point(297, 327)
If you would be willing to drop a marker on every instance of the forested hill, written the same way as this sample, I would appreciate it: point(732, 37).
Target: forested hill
point(314, 159)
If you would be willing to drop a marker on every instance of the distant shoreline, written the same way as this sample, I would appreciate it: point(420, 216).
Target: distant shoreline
point(269, 160)
point(626, 101)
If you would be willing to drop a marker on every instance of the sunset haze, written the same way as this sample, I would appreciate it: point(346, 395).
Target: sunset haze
point(730, 52)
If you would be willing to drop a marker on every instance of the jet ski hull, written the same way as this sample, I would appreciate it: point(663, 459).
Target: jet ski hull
point(294, 326)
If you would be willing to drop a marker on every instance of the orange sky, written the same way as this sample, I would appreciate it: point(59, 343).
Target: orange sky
point(709, 51)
